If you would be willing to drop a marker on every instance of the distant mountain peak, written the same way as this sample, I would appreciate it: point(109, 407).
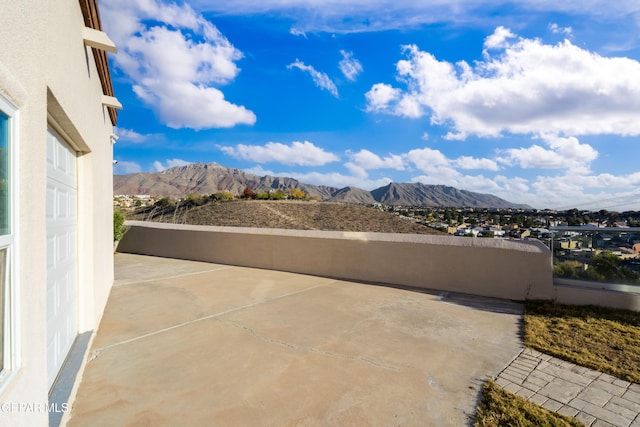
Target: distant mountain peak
point(210, 178)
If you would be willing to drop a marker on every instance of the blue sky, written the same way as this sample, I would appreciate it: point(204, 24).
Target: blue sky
point(535, 101)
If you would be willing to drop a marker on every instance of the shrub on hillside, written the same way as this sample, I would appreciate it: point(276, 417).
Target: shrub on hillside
point(118, 225)
point(278, 195)
point(194, 199)
point(223, 196)
point(165, 202)
point(297, 194)
point(248, 193)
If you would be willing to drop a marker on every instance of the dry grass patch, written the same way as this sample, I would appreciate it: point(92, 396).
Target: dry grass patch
point(604, 339)
point(499, 407)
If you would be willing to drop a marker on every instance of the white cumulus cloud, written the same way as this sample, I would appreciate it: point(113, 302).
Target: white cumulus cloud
point(588, 190)
point(433, 163)
point(556, 29)
point(174, 57)
point(369, 160)
point(349, 65)
point(169, 163)
point(130, 135)
point(522, 86)
point(499, 38)
point(320, 79)
point(297, 32)
point(298, 153)
point(125, 167)
point(381, 96)
point(364, 160)
point(570, 179)
point(260, 171)
point(427, 158)
point(563, 153)
point(467, 162)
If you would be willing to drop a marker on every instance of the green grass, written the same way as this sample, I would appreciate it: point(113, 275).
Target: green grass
point(502, 408)
point(603, 339)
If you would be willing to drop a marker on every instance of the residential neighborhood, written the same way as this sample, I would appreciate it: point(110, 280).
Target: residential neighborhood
point(574, 236)
point(602, 246)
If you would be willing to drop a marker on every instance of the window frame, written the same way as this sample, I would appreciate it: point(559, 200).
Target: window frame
point(10, 242)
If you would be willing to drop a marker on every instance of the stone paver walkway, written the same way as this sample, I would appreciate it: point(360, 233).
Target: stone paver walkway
point(593, 398)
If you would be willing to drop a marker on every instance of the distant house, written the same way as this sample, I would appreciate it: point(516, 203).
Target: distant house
point(599, 240)
point(520, 233)
point(475, 231)
point(57, 114)
point(566, 244)
point(494, 230)
point(625, 253)
point(462, 232)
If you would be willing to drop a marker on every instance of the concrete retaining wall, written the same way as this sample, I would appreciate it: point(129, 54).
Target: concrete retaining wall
point(498, 268)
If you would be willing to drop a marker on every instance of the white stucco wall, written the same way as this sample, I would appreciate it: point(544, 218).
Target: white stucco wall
point(45, 68)
point(78, 91)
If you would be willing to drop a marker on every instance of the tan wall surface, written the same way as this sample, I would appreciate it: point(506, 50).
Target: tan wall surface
point(43, 55)
point(489, 267)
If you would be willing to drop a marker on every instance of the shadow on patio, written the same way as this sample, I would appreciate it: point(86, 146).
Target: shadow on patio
point(193, 343)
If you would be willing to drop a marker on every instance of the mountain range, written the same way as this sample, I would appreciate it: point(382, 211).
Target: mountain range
point(209, 178)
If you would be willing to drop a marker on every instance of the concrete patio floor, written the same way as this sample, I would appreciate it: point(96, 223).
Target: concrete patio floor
point(196, 344)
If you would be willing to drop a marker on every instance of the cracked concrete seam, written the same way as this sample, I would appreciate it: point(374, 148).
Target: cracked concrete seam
point(310, 349)
point(97, 351)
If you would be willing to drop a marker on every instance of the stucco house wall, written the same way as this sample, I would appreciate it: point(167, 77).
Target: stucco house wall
point(51, 79)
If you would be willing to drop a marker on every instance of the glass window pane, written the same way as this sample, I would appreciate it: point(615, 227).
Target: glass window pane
point(4, 175)
point(3, 282)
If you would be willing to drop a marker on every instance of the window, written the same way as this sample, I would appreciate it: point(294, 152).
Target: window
point(7, 239)
point(5, 216)
point(3, 287)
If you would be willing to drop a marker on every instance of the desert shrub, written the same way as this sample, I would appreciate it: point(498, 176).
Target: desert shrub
point(194, 199)
point(118, 225)
point(607, 266)
point(297, 194)
point(278, 195)
point(248, 193)
point(165, 202)
point(603, 267)
point(223, 196)
point(567, 269)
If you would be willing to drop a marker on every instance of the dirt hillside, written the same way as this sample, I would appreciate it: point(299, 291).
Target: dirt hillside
point(299, 215)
